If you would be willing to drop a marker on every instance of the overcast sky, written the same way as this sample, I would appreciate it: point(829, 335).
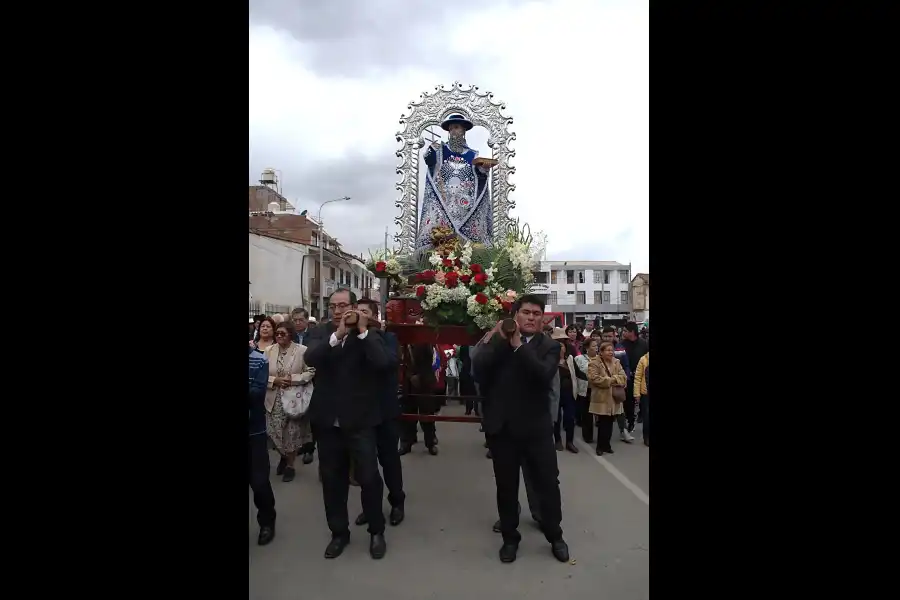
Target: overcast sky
point(329, 81)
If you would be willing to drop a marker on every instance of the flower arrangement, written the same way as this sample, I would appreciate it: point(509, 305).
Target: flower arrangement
point(384, 264)
point(473, 285)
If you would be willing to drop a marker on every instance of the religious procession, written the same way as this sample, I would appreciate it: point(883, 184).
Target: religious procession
point(397, 399)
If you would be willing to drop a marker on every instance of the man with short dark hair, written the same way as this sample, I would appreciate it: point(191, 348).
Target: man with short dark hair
point(387, 433)
point(515, 371)
point(350, 361)
point(300, 317)
point(635, 347)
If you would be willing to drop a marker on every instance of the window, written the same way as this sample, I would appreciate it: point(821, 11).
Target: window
point(596, 276)
point(623, 276)
point(580, 276)
point(570, 276)
point(598, 296)
point(605, 297)
point(331, 270)
point(624, 297)
point(580, 299)
point(540, 277)
point(552, 297)
point(606, 277)
point(315, 238)
point(553, 277)
point(570, 293)
point(356, 281)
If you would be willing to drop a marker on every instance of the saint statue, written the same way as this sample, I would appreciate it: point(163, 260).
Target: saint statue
point(456, 188)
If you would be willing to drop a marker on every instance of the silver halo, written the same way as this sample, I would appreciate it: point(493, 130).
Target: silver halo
point(432, 109)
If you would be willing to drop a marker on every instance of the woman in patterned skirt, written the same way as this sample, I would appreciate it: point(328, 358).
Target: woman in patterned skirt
point(286, 369)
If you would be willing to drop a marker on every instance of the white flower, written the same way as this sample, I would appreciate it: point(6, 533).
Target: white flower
point(392, 266)
point(435, 259)
point(466, 254)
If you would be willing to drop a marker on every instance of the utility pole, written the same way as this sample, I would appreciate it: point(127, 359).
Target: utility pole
point(322, 257)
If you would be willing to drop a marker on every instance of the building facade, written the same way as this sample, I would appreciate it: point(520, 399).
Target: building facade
point(284, 261)
point(586, 290)
point(640, 293)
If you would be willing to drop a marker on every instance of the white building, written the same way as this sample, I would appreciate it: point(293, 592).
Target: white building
point(283, 274)
point(585, 290)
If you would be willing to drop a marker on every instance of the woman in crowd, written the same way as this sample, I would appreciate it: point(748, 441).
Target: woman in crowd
point(582, 402)
point(572, 335)
point(604, 372)
point(266, 335)
point(641, 394)
point(287, 369)
point(565, 418)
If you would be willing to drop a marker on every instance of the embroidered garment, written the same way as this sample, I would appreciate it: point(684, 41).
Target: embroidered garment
point(456, 195)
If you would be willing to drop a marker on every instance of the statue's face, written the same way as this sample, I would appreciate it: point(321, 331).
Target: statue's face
point(456, 130)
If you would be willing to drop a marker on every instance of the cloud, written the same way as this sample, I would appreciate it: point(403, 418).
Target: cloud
point(328, 85)
point(355, 38)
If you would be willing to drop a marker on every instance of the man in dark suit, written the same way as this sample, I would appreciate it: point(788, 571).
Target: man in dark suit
point(387, 434)
point(515, 372)
point(422, 400)
point(345, 409)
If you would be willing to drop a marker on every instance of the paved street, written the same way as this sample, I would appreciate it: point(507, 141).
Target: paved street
point(445, 548)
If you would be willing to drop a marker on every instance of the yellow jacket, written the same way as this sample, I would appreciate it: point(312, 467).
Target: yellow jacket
point(640, 384)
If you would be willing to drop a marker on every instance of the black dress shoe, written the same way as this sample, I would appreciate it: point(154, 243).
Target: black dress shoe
point(377, 547)
point(572, 448)
point(289, 474)
point(508, 552)
point(405, 449)
point(336, 546)
point(489, 455)
point(307, 458)
point(279, 470)
point(497, 526)
point(560, 550)
point(433, 450)
point(266, 535)
point(397, 515)
point(361, 519)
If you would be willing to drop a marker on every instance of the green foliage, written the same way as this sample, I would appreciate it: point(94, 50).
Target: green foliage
point(448, 314)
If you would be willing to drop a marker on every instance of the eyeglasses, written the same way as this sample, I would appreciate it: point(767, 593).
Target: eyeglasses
point(281, 334)
point(341, 306)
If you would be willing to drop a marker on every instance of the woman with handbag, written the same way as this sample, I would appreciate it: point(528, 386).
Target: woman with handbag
point(607, 379)
point(287, 398)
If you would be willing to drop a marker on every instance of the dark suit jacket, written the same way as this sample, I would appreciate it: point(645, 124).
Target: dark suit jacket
point(390, 407)
point(350, 379)
point(516, 385)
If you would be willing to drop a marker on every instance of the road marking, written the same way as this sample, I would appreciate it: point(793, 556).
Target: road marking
point(632, 487)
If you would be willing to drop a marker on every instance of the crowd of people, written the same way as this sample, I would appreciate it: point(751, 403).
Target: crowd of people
point(335, 388)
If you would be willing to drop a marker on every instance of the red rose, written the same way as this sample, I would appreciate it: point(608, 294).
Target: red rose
point(457, 262)
point(481, 279)
point(379, 266)
point(426, 276)
point(507, 306)
point(481, 298)
point(476, 268)
point(465, 279)
point(451, 279)
point(420, 291)
point(447, 262)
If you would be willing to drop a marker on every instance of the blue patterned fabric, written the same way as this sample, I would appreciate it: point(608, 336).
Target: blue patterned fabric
point(456, 196)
